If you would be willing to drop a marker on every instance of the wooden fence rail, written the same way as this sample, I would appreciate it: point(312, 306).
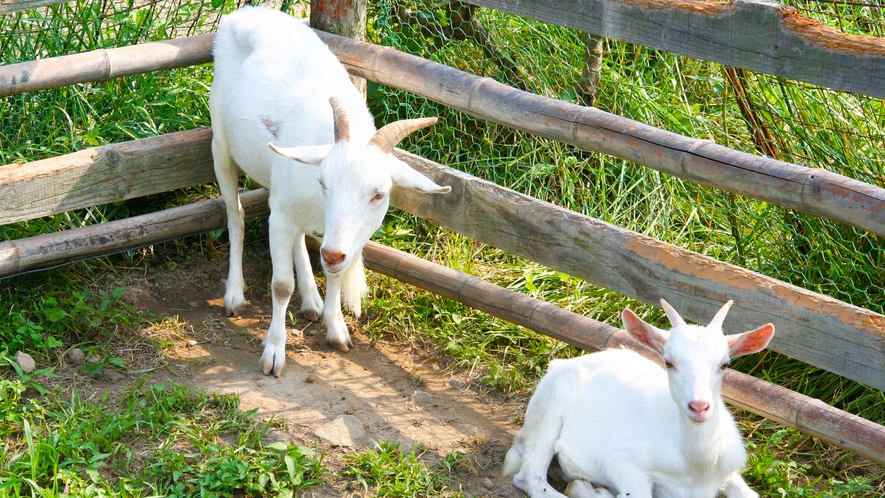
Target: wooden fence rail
point(104, 64)
point(9, 6)
point(817, 329)
point(759, 35)
point(774, 402)
point(821, 331)
point(811, 190)
point(105, 174)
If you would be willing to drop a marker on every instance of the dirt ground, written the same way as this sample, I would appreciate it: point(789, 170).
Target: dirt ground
point(381, 390)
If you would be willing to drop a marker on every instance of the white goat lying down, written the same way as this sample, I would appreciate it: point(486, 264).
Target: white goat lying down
point(274, 83)
point(616, 419)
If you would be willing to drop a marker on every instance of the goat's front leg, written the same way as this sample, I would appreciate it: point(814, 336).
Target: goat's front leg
point(282, 244)
point(336, 329)
point(735, 487)
point(226, 173)
point(311, 302)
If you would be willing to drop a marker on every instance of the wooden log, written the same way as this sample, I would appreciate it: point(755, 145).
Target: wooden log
point(816, 329)
point(10, 6)
point(59, 248)
point(781, 405)
point(105, 64)
point(105, 174)
point(811, 190)
point(759, 35)
point(808, 415)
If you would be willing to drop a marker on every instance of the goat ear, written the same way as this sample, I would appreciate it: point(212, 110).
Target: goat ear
point(750, 342)
point(305, 154)
point(404, 176)
point(645, 333)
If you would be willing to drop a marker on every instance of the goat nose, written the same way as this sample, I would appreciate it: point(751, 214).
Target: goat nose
point(331, 256)
point(699, 407)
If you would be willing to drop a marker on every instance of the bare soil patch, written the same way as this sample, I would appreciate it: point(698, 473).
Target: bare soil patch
point(382, 390)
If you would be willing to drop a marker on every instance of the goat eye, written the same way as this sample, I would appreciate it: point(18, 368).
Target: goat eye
point(723, 366)
point(379, 196)
point(668, 364)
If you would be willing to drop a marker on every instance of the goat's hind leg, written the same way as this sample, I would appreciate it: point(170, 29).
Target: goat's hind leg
point(226, 173)
point(311, 302)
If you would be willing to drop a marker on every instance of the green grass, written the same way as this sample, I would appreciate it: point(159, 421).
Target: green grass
point(391, 472)
point(47, 313)
point(157, 439)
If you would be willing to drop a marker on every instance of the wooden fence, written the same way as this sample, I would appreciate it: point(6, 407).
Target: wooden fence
point(814, 328)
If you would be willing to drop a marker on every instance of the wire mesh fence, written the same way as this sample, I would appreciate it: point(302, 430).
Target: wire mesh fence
point(756, 113)
point(751, 112)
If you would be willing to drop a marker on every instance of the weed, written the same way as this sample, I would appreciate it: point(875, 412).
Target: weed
point(391, 472)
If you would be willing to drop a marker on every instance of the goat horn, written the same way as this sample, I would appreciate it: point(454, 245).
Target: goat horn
point(389, 135)
point(675, 319)
point(719, 318)
point(342, 125)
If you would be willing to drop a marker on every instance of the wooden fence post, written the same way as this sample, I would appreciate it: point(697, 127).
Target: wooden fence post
point(589, 84)
point(341, 17)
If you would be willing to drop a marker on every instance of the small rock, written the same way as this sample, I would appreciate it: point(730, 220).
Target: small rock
point(435, 368)
point(457, 384)
point(76, 356)
point(345, 430)
point(487, 483)
point(25, 362)
point(191, 343)
point(110, 375)
point(420, 398)
point(92, 359)
point(194, 304)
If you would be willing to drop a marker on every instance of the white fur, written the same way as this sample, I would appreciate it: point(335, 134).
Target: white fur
point(619, 424)
point(273, 82)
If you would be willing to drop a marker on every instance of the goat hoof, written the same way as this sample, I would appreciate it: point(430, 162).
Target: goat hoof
point(311, 315)
point(340, 346)
point(234, 311)
point(272, 361)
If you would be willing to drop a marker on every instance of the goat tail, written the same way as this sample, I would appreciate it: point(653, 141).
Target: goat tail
point(513, 459)
point(353, 285)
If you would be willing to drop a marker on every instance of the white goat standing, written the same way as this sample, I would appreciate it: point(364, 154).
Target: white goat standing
point(274, 82)
point(610, 418)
